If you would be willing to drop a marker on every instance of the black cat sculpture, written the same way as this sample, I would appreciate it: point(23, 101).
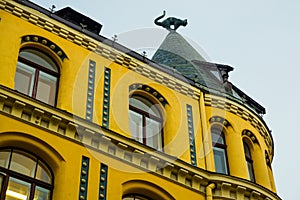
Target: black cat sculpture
point(171, 23)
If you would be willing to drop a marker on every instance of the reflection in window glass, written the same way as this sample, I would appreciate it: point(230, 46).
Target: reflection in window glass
point(24, 78)
point(23, 163)
point(41, 194)
point(37, 76)
point(4, 158)
point(220, 160)
point(17, 190)
point(46, 89)
point(26, 183)
point(136, 125)
point(145, 122)
point(219, 150)
point(43, 173)
point(153, 133)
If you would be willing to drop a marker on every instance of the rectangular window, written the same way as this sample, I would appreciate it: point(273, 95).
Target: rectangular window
point(220, 160)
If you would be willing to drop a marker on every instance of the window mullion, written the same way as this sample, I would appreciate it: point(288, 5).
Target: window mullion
point(4, 186)
point(144, 129)
point(35, 83)
point(32, 189)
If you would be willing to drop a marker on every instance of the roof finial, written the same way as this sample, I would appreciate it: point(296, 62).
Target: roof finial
point(171, 23)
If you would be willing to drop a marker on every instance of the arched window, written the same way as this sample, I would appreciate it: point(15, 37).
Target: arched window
point(249, 162)
point(135, 197)
point(24, 176)
point(145, 122)
point(219, 149)
point(37, 75)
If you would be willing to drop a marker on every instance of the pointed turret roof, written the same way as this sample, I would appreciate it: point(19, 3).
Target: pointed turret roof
point(177, 53)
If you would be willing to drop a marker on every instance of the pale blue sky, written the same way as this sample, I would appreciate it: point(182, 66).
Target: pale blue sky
point(259, 38)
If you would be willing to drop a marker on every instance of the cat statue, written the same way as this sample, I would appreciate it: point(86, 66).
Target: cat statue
point(171, 23)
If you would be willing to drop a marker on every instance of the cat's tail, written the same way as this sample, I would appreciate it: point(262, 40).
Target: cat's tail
point(158, 18)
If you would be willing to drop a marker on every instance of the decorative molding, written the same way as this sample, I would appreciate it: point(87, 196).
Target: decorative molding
point(191, 134)
point(150, 91)
point(250, 135)
point(106, 98)
point(83, 186)
point(103, 181)
point(62, 124)
point(220, 120)
point(45, 42)
point(268, 161)
point(229, 106)
point(90, 91)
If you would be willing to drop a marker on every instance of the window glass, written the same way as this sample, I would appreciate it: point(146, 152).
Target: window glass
point(43, 173)
point(23, 163)
point(217, 137)
point(25, 184)
point(24, 78)
point(136, 125)
point(249, 162)
point(145, 122)
point(4, 158)
point(153, 133)
point(37, 75)
point(17, 190)
point(145, 105)
point(41, 194)
point(220, 160)
point(250, 171)
point(46, 89)
point(38, 58)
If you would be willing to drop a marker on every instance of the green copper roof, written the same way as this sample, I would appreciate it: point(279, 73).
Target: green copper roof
point(177, 53)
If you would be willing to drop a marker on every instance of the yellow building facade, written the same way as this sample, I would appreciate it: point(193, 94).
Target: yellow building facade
point(82, 117)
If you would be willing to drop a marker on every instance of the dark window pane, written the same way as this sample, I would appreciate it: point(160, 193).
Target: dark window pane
point(247, 151)
point(17, 190)
point(23, 163)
